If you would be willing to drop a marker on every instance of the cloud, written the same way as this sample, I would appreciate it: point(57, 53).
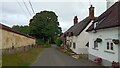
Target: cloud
point(15, 14)
point(56, 0)
point(11, 7)
point(13, 19)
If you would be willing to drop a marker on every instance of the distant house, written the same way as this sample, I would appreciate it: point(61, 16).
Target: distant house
point(104, 37)
point(76, 37)
point(13, 40)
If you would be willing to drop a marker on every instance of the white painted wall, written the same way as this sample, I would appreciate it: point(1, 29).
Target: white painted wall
point(104, 34)
point(0, 38)
point(81, 40)
point(119, 44)
point(0, 47)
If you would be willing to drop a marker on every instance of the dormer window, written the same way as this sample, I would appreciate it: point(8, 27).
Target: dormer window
point(64, 35)
point(95, 25)
point(67, 33)
point(71, 33)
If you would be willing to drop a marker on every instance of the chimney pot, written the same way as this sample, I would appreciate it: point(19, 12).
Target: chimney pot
point(75, 20)
point(91, 12)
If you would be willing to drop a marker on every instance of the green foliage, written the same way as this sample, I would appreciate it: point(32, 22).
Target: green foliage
point(58, 41)
point(45, 25)
point(40, 42)
point(23, 29)
point(47, 45)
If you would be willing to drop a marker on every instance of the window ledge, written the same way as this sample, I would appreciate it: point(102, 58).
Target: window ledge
point(95, 48)
point(109, 52)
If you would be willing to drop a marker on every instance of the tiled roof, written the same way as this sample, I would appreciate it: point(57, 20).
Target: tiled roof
point(79, 27)
point(4, 27)
point(110, 18)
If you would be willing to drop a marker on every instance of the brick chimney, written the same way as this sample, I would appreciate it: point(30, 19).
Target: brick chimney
point(75, 20)
point(91, 12)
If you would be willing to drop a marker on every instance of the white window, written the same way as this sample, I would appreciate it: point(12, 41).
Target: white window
point(95, 25)
point(110, 46)
point(74, 45)
point(95, 44)
point(70, 44)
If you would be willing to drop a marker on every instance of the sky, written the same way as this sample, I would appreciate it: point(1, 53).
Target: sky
point(14, 12)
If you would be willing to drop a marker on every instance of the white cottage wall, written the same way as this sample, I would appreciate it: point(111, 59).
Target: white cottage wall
point(119, 44)
point(105, 35)
point(81, 40)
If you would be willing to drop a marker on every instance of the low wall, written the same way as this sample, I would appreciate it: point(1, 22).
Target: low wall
point(18, 49)
point(11, 41)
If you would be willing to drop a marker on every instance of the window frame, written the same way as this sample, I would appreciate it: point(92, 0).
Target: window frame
point(96, 45)
point(74, 45)
point(108, 46)
point(70, 44)
point(111, 45)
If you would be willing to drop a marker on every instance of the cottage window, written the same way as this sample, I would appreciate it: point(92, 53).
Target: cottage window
point(67, 33)
point(95, 44)
point(71, 33)
point(111, 46)
point(70, 44)
point(108, 45)
point(95, 25)
point(74, 45)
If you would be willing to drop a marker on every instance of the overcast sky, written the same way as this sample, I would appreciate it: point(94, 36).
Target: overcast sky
point(14, 12)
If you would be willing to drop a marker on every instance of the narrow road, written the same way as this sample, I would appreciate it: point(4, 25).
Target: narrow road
point(53, 57)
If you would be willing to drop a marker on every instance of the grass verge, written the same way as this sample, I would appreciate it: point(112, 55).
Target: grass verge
point(21, 58)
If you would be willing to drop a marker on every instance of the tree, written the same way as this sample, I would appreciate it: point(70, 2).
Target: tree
point(45, 26)
point(23, 29)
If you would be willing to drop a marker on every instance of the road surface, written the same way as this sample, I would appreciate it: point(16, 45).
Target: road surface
point(53, 57)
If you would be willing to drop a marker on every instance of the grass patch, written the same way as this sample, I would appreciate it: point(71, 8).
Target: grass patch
point(21, 58)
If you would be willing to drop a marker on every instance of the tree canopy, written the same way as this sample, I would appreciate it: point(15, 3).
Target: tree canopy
point(23, 29)
point(45, 25)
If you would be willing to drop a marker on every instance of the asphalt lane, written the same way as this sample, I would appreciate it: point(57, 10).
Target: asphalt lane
point(53, 57)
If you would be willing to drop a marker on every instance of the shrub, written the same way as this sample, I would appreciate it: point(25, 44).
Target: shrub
point(58, 41)
point(47, 45)
point(39, 42)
